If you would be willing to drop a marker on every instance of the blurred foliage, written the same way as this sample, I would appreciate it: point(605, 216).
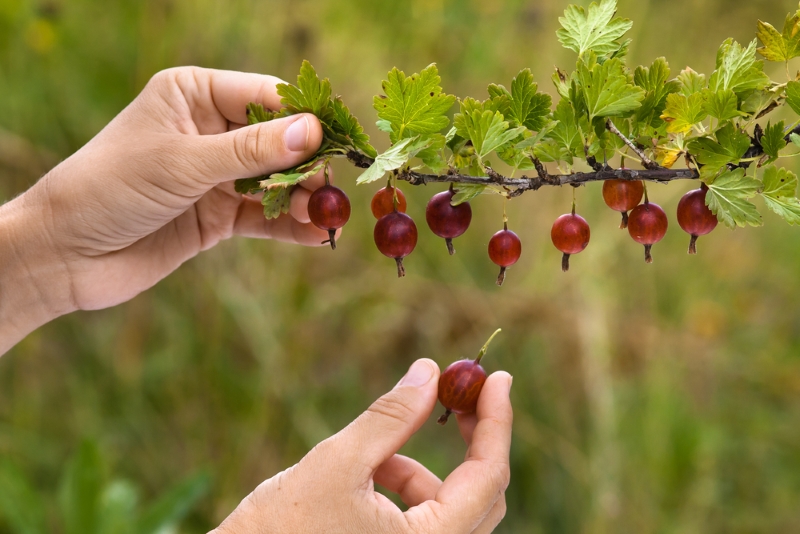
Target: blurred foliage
point(661, 398)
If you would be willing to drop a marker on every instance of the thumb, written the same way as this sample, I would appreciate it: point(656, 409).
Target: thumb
point(256, 150)
point(388, 424)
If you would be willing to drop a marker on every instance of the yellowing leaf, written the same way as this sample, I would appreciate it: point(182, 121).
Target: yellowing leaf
point(682, 112)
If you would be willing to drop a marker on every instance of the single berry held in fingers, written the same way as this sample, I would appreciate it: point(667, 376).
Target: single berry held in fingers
point(446, 220)
point(505, 249)
point(383, 202)
point(623, 196)
point(396, 236)
point(329, 209)
point(461, 383)
point(694, 216)
point(570, 235)
point(647, 225)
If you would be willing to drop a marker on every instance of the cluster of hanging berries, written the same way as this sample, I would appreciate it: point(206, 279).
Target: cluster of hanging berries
point(396, 234)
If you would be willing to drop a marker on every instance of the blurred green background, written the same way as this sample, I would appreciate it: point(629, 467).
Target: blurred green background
point(648, 398)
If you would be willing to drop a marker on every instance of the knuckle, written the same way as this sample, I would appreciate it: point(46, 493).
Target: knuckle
point(501, 475)
point(392, 407)
point(253, 145)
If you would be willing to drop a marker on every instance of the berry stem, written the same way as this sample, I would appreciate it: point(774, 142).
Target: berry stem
point(401, 270)
point(486, 346)
point(331, 239)
point(443, 419)
point(565, 262)
point(624, 223)
point(648, 258)
point(693, 245)
point(502, 276)
point(327, 178)
point(450, 248)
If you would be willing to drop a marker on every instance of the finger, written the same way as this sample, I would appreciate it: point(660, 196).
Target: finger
point(250, 222)
point(466, 425)
point(231, 92)
point(260, 149)
point(493, 518)
point(318, 180)
point(379, 432)
point(468, 494)
point(411, 480)
point(298, 205)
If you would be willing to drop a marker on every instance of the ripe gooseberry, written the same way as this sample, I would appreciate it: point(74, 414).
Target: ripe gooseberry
point(461, 383)
point(694, 216)
point(505, 249)
point(446, 220)
point(396, 236)
point(647, 225)
point(383, 202)
point(329, 209)
point(623, 196)
point(570, 235)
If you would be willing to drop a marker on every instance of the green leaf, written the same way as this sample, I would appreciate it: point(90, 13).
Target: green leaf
point(795, 139)
point(311, 95)
point(81, 487)
point(773, 141)
point(654, 80)
point(523, 106)
point(173, 506)
point(729, 147)
point(727, 199)
point(466, 192)
point(256, 113)
point(607, 90)
point(691, 82)
point(780, 46)
point(21, 506)
point(738, 69)
point(722, 105)
point(682, 112)
point(288, 180)
point(394, 158)
point(486, 129)
point(793, 96)
point(276, 201)
point(780, 186)
point(596, 29)
point(414, 105)
point(347, 125)
point(566, 133)
point(384, 126)
point(758, 101)
point(431, 155)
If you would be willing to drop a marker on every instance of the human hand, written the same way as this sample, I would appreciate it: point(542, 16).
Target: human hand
point(150, 191)
point(331, 489)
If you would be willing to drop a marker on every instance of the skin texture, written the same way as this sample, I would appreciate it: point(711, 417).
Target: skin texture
point(150, 191)
point(395, 235)
point(622, 195)
point(460, 386)
point(331, 490)
point(155, 188)
point(383, 202)
point(570, 233)
point(694, 217)
point(648, 224)
point(329, 208)
point(505, 248)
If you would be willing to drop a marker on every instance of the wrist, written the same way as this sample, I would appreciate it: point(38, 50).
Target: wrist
point(34, 284)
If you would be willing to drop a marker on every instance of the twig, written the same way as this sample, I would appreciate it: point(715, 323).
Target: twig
point(517, 186)
point(647, 162)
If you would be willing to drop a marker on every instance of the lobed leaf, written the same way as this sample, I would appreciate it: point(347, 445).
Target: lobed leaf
point(594, 29)
point(394, 158)
point(780, 46)
point(773, 141)
point(729, 147)
point(722, 105)
point(780, 186)
point(607, 90)
point(311, 95)
point(738, 69)
point(728, 196)
point(682, 112)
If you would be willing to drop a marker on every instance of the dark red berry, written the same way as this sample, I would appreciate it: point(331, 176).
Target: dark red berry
point(694, 216)
point(446, 220)
point(570, 235)
point(504, 250)
point(647, 225)
point(396, 236)
point(461, 383)
point(383, 202)
point(623, 196)
point(329, 209)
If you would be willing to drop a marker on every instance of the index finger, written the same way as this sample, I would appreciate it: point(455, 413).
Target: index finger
point(471, 490)
point(231, 92)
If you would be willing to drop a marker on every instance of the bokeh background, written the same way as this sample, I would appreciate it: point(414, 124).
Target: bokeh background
point(648, 398)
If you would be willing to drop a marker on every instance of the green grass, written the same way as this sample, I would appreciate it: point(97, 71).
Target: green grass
point(661, 398)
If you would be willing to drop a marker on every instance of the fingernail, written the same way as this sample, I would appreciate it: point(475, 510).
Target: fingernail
point(510, 381)
point(418, 375)
point(296, 135)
